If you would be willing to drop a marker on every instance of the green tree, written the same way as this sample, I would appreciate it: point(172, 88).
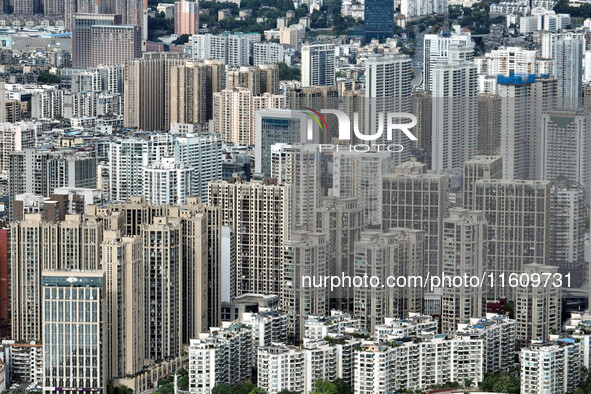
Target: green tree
point(511, 309)
point(301, 11)
point(287, 73)
point(182, 39)
point(47, 77)
point(167, 388)
point(159, 26)
point(121, 389)
point(244, 388)
point(223, 388)
point(562, 7)
point(500, 383)
point(342, 386)
point(324, 387)
point(183, 379)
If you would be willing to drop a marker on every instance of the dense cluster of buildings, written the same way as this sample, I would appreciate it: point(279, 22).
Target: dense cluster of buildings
point(403, 353)
point(194, 208)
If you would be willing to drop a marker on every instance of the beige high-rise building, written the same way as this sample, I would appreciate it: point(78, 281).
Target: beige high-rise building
point(480, 167)
point(391, 254)
point(201, 275)
point(342, 220)
point(102, 39)
point(114, 45)
point(411, 297)
point(567, 229)
point(36, 245)
point(147, 90)
point(489, 124)
point(566, 151)
point(454, 112)
point(523, 101)
point(259, 213)
point(162, 244)
point(78, 244)
point(192, 86)
point(4, 105)
point(422, 109)
point(299, 166)
point(13, 111)
point(26, 7)
point(305, 259)
point(161, 267)
point(269, 78)
point(15, 137)
point(518, 214)
point(234, 113)
point(125, 308)
point(259, 80)
point(314, 97)
point(538, 308)
point(200, 246)
point(53, 7)
point(464, 254)
point(292, 35)
point(321, 97)
point(25, 275)
point(414, 199)
point(360, 175)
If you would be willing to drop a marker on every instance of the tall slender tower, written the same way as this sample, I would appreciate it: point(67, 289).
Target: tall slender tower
point(124, 269)
point(299, 166)
point(305, 254)
point(566, 149)
point(568, 70)
point(416, 200)
point(537, 308)
point(388, 89)
point(342, 220)
point(524, 99)
point(260, 214)
point(186, 17)
point(518, 214)
point(455, 111)
point(147, 90)
point(464, 253)
point(163, 255)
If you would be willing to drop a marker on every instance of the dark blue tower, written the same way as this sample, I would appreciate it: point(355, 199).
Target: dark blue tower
point(379, 19)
